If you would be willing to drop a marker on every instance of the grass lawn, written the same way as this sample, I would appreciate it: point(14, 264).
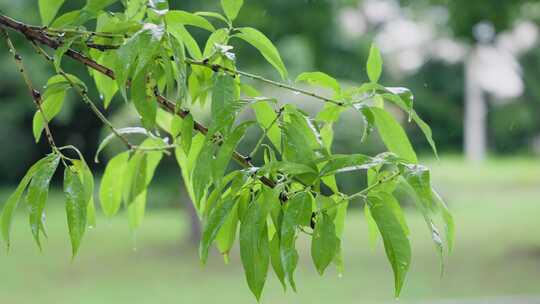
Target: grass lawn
point(497, 253)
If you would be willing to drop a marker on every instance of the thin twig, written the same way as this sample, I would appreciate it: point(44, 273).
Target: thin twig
point(265, 133)
point(86, 99)
point(218, 67)
point(36, 95)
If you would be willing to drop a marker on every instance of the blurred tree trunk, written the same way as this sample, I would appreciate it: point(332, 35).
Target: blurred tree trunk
point(475, 115)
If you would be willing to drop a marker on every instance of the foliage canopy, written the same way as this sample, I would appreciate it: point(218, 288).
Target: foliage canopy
point(147, 54)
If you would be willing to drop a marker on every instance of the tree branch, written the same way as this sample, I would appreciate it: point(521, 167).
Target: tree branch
point(36, 35)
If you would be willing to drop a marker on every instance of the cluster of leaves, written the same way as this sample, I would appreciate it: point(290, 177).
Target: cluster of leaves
point(268, 206)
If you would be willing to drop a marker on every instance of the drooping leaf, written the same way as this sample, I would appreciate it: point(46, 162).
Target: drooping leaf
point(137, 205)
point(107, 88)
point(392, 134)
point(213, 224)
point(372, 227)
point(265, 46)
point(227, 234)
point(201, 176)
point(110, 191)
point(374, 64)
point(144, 100)
point(396, 243)
point(297, 212)
point(275, 259)
point(52, 102)
point(403, 98)
point(48, 10)
point(231, 8)
point(38, 191)
point(135, 177)
point(76, 207)
point(448, 220)
point(13, 200)
point(136, 53)
point(224, 104)
point(325, 243)
point(254, 244)
point(187, 133)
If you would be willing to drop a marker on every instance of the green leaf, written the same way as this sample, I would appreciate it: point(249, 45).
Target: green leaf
point(94, 6)
point(266, 115)
point(265, 46)
point(448, 222)
point(427, 132)
point(392, 134)
point(219, 37)
point(201, 176)
point(396, 242)
point(136, 53)
point(213, 224)
point(61, 50)
point(13, 200)
point(182, 35)
point(342, 163)
point(374, 64)
point(123, 131)
point(51, 106)
point(372, 227)
point(219, 165)
point(325, 243)
point(231, 8)
point(38, 191)
point(225, 104)
point(136, 176)
point(110, 190)
point(403, 98)
point(254, 244)
point(275, 259)
point(297, 146)
point(144, 100)
point(107, 88)
point(136, 205)
point(136, 211)
point(320, 79)
point(227, 234)
point(187, 133)
point(297, 212)
point(178, 17)
point(48, 10)
point(213, 15)
point(52, 101)
point(76, 207)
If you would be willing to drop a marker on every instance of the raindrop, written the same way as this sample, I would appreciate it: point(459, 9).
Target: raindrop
point(101, 97)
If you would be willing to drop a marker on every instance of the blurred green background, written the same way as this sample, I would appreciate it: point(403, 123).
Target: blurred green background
point(426, 45)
